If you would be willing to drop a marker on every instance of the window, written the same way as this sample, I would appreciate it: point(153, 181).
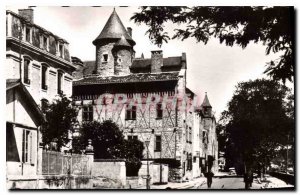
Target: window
point(44, 78)
point(159, 111)
point(130, 137)
point(130, 113)
point(26, 71)
point(190, 134)
point(203, 137)
point(87, 113)
point(26, 138)
point(45, 42)
point(158, 143)
point(27, 34)
point(60, 50)
point(104, 57)
point(189, 162)
point(59, 82)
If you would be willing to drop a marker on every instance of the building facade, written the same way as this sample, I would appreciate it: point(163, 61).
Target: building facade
point(38, 66)
point(147, 98)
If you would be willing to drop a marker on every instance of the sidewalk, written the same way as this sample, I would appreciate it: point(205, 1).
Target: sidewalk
point(272, 182)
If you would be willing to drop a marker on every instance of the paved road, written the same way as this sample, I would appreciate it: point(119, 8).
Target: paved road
point(226, 183)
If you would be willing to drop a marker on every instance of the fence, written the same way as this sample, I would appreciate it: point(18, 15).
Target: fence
point(56, 163)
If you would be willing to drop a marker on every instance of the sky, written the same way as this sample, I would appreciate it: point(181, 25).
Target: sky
point(213, 68)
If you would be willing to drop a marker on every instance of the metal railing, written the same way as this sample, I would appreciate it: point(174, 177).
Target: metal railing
point(57, 163)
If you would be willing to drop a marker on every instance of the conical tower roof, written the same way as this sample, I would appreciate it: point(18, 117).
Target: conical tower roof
point(205, 101)
point(123, 42)
point(114, 29)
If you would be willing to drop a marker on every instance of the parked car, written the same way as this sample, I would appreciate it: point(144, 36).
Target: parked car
point(232, 171)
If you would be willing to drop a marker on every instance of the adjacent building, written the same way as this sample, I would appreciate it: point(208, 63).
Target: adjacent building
point(148, 99)
point(38, 67)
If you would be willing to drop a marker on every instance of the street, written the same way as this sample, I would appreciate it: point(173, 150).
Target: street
point(224, 183)
point(238, 183)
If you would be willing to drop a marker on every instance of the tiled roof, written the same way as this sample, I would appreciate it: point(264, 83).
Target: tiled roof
point(11, 83)
point(89, 67)
point(144, 63)
point(114, 29)
point(15, 83)
point(37, 26)
point(132, 78)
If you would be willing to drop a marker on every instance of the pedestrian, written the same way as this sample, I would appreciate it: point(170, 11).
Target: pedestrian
point(209, 176)
point(251, 178)
point(248, 179)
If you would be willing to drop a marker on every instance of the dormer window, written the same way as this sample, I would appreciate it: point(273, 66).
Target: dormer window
point(27, 34)
point(60, 50)
point(45, 42)
point(105, 58)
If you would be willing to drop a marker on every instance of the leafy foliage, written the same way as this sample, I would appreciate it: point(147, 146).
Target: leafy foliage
point(106, 138)
point(256, 122)
point(109, 143)
point(273, 26)
point(61, 118)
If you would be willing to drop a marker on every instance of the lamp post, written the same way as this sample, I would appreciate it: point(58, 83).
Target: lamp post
point(148, 176)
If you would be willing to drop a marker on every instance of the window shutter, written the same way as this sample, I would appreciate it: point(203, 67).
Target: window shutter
point(33, 147)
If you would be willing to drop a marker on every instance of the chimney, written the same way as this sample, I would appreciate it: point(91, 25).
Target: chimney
point(129, 30)
point(27, 13)
point(156, 61)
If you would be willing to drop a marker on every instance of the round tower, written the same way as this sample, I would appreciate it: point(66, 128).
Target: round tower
point(114, 48)
point(122, 53)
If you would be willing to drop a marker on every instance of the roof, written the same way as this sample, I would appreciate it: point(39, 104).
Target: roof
point(37, 26)
point(114, 29)
point(132, 78)
point(144, 63)
point(15, 83)
point(137, 63)
point(205, 101)
point(89, 67)
point(123, 42)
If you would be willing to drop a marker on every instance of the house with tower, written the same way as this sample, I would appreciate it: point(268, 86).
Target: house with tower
point(149, 100)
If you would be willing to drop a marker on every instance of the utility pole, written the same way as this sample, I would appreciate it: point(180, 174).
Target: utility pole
point(148, 175)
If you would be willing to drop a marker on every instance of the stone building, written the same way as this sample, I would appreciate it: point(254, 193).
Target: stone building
point(38, 66)
point(208, 137)
point(147, 98)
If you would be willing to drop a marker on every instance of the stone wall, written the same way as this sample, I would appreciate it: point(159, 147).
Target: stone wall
point(49, 182)
point(113, 170)
point(123, 60)
point(154, 172)
point(105, 68)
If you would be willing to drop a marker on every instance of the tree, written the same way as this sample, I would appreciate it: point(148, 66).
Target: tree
point(273, 26)
point(256, 122)
point(60, 120)
point(106, 137)
point(132, 151)
point(109, 143)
